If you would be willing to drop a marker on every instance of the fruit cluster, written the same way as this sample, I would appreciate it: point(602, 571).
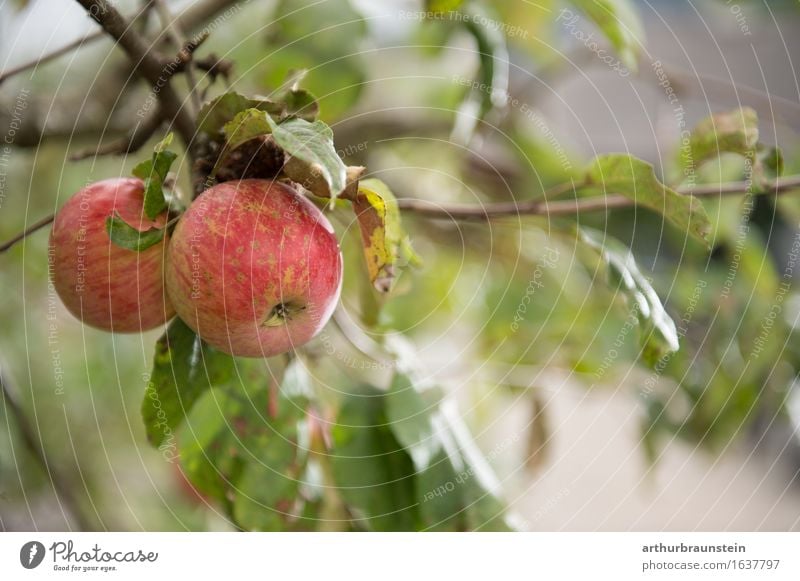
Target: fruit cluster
point(253, 267)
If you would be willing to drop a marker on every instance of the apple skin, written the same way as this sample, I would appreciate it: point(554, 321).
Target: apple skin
point(102, 284)
point(254, 268)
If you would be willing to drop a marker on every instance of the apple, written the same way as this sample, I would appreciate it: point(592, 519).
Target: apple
point(254, 268)
point(102, 284)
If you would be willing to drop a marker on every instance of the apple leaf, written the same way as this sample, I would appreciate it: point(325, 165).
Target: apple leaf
point(620, 23)
point(289, 101)
point(658, 333)
point(153, 172)
point(220, 111)
point(245, 443)
point(408, 410)
point(126, 236)
point(183, 369)
point(312, 144)
point(730, 132)
point(245, 126)
point(373, 474)
point(456, 488)
point(296, 102)
point(275, 445)
point(635, 179)
point(386, 245)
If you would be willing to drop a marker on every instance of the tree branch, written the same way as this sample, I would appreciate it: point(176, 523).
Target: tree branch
point(190, 19)
point(572, 207)
point(146, 63)
point(27, 232)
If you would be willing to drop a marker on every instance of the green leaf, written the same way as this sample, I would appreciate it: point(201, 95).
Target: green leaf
point(485, 509)
point(245, 126)
point(208, 447)
point(267, 493)
point(245, 443)
point(373, 473)
point(386, 245)
point(636, 179)
point(620, 23)
point(296, 102)
point(221, 110)
point(658, 333)
point(312, 143)
point(183, 369)
point(126, 236)
point(730, 132)
point(153, 172)
point(409, 414)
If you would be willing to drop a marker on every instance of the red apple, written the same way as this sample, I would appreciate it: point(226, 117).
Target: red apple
point(254, 268)
point(102, 284)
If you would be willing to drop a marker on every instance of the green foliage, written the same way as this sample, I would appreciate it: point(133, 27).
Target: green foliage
point(325, 40)
point(635, 179)
point(312, 143)
point(154, 171)
point(374, 474)
point(657, 330)
point(126, 236)
point(620, 23)
point(245, 445)
point(184, 368)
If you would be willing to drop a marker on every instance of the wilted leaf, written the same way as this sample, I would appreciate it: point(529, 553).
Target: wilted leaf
point(635, 179)
point(183, 369)
point(153, 172)
point(385, 243)
point(618, 20)
point(731, 132)
point(126, 236)
point(658, 333)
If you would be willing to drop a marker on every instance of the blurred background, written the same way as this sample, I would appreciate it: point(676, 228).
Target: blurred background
point(582, 435)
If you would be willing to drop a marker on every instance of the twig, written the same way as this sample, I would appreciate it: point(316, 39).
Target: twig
point(33, 443)
point(566, 207)
point(188, 20)
point(179, 41)
point(27, 232)
point(128, 144)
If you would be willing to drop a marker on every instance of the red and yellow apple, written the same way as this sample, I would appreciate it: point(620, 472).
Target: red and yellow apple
point(254, 268)
point(102, 284)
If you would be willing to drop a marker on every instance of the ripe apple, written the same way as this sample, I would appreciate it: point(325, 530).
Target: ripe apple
point(102, 284)
point(254, 268)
